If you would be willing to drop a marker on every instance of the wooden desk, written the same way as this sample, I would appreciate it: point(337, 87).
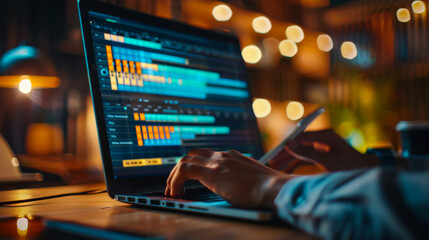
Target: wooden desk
point(100, 211)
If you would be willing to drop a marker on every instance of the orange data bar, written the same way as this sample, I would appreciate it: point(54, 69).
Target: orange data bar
point(119, 71)
point(139, 70)
point(112, 74)
point(132, 69)
point(144, 132)
point(132, 75)
point(172, 129)
point(150, 130)
point(167, 132)
point(126, 70)
point(139, 136)
point(161, 132)
point(136, 117)
point(142, 117)
point(155, 130)
point(139, 74)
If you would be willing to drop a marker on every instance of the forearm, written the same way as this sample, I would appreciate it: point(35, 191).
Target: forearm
point(349, 205)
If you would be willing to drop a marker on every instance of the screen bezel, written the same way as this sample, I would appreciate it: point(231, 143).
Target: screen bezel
point(134, 184)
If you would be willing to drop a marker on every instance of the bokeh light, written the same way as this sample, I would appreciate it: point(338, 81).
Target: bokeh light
point(22, 224)
point(418, 7)
point(288, 48)
point(15, 162)
point(403, 15)
point(25, 86)
point(261, 24)
point(295, 33)
point(251, 54)
point(222, 12)
point(261, 107)
point(294, 110)
point(348, 50)
point(325, 43)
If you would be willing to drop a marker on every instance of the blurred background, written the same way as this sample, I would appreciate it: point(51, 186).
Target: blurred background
point(366, 61)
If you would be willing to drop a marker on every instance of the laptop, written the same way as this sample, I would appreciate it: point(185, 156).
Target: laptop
point(160, 88)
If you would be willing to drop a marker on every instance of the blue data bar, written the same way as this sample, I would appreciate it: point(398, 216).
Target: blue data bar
point(143, 56)
point(179, 118)
point(168, 58)
point(202, 130)
point(228, 82)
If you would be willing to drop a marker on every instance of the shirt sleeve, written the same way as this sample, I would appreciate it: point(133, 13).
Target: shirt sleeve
point(362, 204)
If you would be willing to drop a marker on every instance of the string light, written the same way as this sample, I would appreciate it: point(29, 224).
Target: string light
point(348, 50)
point(418, 7)
point(294, 110)
point(325, 43)
point(403, 15)
point(261, 24)
point(288, 48)
point(295, 33)
point(251, 54)
point(261, 107)
point(222, 12)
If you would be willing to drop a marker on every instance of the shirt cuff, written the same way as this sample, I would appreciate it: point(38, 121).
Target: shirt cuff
point(291, 195)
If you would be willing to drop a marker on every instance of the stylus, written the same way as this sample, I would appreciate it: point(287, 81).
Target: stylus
point(295, 132)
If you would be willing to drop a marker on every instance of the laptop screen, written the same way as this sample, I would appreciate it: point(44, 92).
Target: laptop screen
point(165, 92)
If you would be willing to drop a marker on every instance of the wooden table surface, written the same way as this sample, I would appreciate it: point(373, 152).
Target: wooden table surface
point(99, 211)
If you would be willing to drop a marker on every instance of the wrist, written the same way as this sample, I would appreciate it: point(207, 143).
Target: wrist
point(271, 189)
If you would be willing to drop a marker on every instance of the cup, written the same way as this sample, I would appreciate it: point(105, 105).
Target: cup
point(414, 136)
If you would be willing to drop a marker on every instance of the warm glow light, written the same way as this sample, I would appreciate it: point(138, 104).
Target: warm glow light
point(418, 7)
point(15, 162)
point(261, 24)
point(294, 110)
point(288, 48)
point(251, 54)
point(325, 43)
point(25, 86)
point(222, 12)
point(348, 50)
point(295, 33)
point(22, 224)
point(261, 107)
point(403, 15)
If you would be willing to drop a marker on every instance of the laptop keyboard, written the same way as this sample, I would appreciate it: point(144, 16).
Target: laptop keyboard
point(193, 194)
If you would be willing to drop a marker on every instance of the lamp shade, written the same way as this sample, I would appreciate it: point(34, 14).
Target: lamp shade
point(29, 64)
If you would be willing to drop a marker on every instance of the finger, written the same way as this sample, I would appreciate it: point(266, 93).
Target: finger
point(196, 159)
point(186, 171)
point(205, 152)
point(236, 153)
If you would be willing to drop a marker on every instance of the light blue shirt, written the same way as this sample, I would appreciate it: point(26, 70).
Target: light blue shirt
point(362, 204)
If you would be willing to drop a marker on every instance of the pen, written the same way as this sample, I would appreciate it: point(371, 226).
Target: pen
point(295, 132)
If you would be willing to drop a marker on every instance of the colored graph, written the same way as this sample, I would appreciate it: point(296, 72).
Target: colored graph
point(135, 71)
point(154, 117)
point(150, 135)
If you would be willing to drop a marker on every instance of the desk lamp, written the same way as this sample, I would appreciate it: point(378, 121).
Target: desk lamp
point(24, 68)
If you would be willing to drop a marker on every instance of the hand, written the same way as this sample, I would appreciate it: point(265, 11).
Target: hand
point(325, 149)
point(241, 180)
